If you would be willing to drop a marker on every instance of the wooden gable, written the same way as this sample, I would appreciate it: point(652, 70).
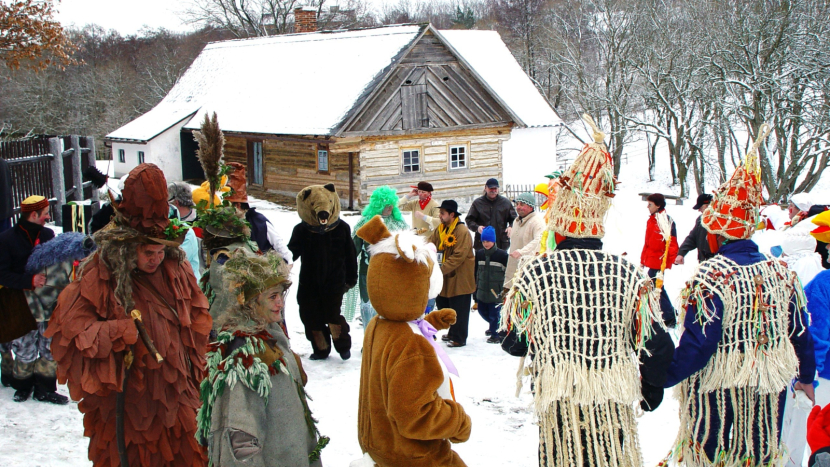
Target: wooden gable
point(429, 88)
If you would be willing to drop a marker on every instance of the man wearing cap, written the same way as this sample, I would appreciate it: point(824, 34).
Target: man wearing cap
point(424, 208)
point(457, 262)
point(494, 210)
point(16, 244)
point(697, 237)
point(130, 336)
point(525, 236)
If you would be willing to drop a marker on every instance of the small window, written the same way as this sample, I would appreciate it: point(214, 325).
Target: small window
point(140, 157)
point(411, 160)
point(458, 157)
point(122, 156)
point(322, 160)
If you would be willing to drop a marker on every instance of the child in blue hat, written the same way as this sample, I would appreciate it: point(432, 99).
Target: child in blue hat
point(491, 263)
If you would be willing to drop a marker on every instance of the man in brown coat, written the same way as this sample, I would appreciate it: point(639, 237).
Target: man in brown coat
point(457, 261)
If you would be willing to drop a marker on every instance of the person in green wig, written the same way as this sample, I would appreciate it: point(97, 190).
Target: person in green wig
point(383, 202)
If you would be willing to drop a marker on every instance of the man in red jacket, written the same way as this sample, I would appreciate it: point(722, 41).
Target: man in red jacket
point(660, 249)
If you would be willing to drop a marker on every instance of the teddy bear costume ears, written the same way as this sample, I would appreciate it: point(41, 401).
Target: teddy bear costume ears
point(373, 231)
point(407, 246)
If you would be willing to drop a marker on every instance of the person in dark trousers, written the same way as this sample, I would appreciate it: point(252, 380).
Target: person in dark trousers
point(697, 237)
point(490, 265)
point(494, 210)
point(745, 338)
point(654, 250)
point(16, 246)
point(6, 201)
point(457, 262)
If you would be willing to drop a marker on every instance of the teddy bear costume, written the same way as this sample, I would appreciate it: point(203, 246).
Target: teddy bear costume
point(406, 414)
point(329, 269)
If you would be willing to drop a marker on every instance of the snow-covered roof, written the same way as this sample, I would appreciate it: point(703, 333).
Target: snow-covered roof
point(489, 57)
point(301, 84)
point(305, 84)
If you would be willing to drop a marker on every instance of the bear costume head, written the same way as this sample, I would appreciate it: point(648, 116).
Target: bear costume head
point(403, 271)
point(319, 206)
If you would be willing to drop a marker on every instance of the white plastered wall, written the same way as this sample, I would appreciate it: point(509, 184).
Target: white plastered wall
point(163, 150)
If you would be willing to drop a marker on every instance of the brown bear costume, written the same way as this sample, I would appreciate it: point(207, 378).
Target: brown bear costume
point(406, 415)
point(328, 269)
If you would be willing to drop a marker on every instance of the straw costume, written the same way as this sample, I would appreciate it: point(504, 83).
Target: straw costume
point(254, 407)
point(96, 327)
point(358, 296)
point(744, 337)
point(407, 414)
point(585, 313)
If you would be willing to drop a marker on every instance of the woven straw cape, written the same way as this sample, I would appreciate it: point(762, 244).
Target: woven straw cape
point(586, 191)
point(734, 210)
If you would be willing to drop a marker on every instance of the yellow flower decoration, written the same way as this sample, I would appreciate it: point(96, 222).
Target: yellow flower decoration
point(450, 241)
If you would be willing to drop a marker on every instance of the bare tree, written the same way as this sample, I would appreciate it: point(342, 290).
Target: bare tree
point(244, 18)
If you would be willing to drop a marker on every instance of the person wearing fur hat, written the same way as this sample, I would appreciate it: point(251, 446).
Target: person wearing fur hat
point(424, 209)
point(407, 413)
point(16, 245)
point(137, 286)
point(660, 251)
point(585, 313)
point(456, 259)
point(383, 202)
point(255, 410)
point(745, 337)
point(181, 196)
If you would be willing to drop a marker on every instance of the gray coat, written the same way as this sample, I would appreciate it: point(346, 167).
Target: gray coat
point(245, 431)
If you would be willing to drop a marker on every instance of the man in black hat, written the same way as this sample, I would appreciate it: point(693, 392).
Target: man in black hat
point(424, 208)
point(457, 262)
point(697, 237)
point(494, 210)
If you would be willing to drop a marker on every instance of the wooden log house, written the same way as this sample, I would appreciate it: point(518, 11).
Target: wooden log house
point(360, 108)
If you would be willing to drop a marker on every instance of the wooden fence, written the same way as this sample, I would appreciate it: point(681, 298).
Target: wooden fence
point(512, 191)
point(36, 170)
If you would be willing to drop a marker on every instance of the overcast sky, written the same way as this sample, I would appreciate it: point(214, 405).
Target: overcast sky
point(125, 16)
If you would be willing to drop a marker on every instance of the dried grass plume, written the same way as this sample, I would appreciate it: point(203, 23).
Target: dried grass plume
point(211, 149)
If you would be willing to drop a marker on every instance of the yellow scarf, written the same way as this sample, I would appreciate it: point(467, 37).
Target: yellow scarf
point(446, 236)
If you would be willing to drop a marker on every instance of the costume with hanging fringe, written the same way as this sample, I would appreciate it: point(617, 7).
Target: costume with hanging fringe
point(744, 340)
point(587, 316)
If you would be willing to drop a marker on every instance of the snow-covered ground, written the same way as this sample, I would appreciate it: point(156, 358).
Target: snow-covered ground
point(38, 434)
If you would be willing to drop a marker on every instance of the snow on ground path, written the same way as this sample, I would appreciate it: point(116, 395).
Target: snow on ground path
point(503, 433)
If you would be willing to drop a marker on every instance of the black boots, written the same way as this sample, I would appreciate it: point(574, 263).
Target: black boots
point(23, 388)
point(46, 391)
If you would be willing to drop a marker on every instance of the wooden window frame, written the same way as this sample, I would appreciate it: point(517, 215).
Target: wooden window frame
point(249, 156)
point(466, 147)
point(141, 157)
point(122, 156)
point(420, 150)
point(322, 147)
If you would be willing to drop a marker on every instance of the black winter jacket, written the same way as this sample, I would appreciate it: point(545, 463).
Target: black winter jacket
point(16, 244)
point(696, 239)
point(498, 213)
point(490, 267)
point(329, 264)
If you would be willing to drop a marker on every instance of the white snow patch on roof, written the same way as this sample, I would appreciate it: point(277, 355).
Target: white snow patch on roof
point(488, 56)
point(302, 84)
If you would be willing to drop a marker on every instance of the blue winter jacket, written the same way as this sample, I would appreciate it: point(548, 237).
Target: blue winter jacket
point(696, 348)
point(818, 303)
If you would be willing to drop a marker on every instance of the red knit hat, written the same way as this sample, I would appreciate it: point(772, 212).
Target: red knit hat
point(733, 212)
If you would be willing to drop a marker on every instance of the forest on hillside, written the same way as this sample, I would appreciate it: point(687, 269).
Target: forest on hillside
point(698, 76)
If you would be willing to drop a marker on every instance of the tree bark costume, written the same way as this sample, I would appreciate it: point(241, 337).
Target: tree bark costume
point(745, 338)
point(95, 340)
point(584, 313)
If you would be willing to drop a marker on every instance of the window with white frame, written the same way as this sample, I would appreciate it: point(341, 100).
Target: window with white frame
point(458, 157)
point(411, 160)
point(322, 160)
point(122, 156)
point(140, 157)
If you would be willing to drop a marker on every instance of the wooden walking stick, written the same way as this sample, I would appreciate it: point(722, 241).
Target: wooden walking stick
point(142, 331)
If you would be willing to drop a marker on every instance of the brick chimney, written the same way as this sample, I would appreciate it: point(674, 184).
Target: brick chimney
point(305, 19)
